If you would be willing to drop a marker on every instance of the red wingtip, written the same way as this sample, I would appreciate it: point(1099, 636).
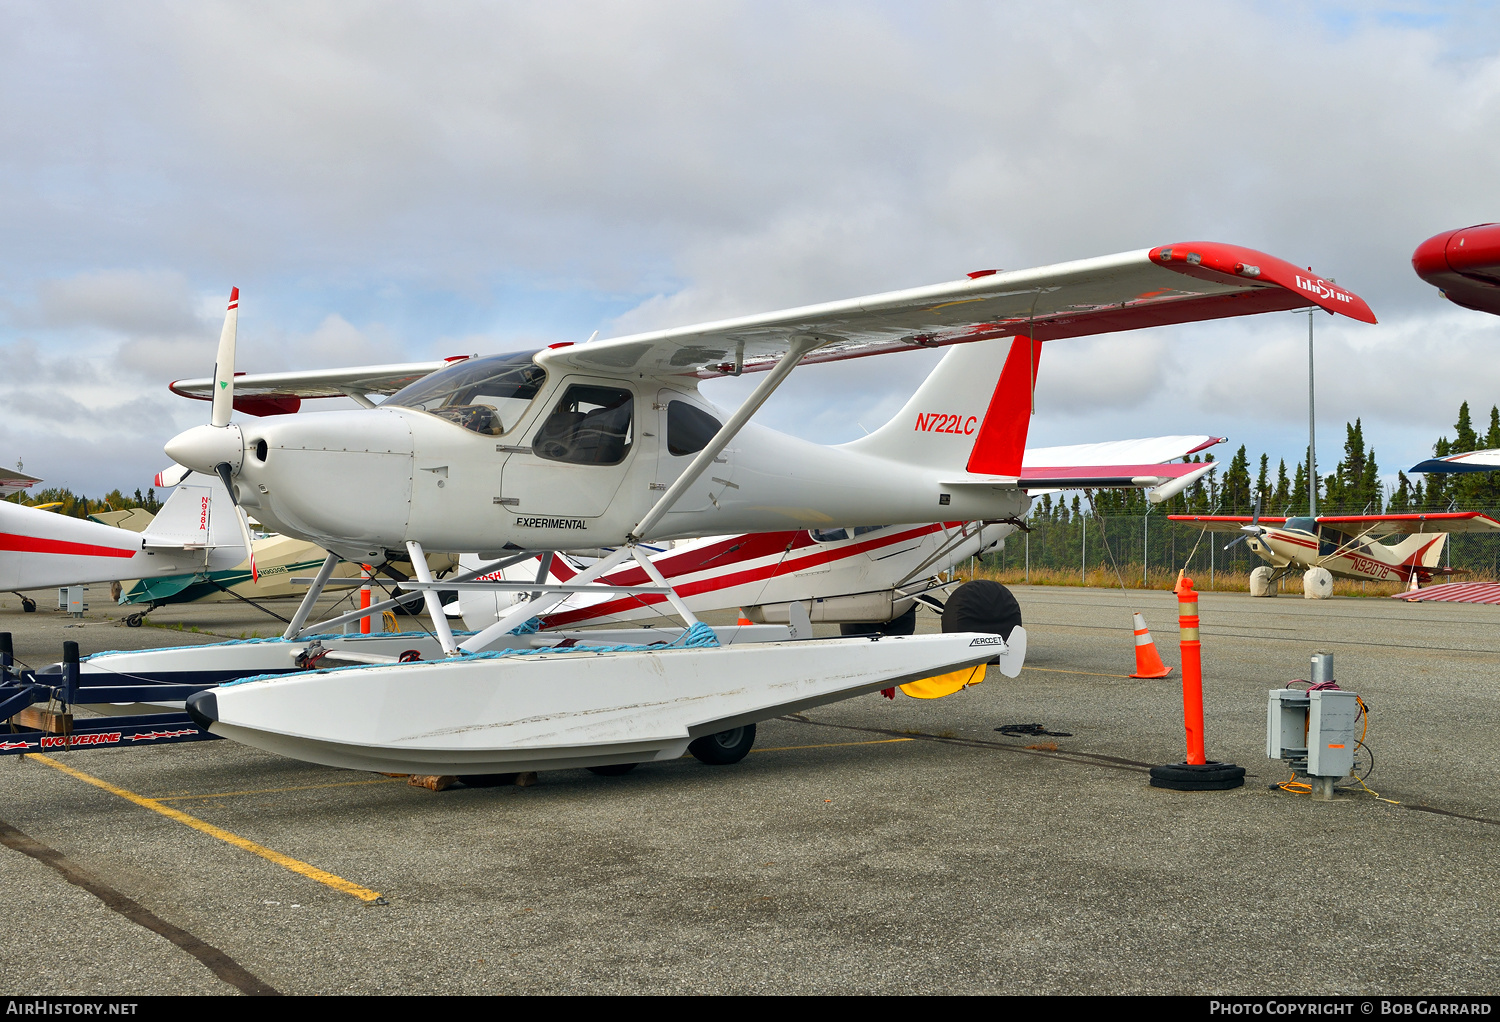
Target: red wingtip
point(234, 298)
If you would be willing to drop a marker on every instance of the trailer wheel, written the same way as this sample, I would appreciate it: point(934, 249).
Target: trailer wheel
point(982, 606)
point(612, 769)
point(901, 624)
point(725, 747)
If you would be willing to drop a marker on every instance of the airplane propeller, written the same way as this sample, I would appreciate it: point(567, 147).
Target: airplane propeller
point(1252, 530)
point(219, 446)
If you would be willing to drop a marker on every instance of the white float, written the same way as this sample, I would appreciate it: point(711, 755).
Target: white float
point(502, 713)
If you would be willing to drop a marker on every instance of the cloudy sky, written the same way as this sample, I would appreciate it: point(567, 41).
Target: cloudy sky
point(395, 181)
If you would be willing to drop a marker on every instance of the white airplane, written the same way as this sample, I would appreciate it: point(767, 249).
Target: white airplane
point(610, 444)
point(1344, 546)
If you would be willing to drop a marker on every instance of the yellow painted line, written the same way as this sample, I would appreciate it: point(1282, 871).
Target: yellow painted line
point(1086, 674)
point(834, 745)
point(338, 883)
point(268, 791)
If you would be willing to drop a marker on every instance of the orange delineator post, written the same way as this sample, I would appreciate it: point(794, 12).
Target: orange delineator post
point(364, 598)
point(1192, 671)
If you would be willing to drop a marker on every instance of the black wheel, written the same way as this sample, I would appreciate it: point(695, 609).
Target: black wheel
point(134, 620)
point(901, 624)
point(28, 606)
point(982, 606)
point(486, 780)
point(613, 769)
point(725, 747)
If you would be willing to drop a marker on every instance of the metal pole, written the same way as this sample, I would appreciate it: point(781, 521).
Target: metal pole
point(1028, 558)
point(1083, 556)
point(1145, 559)
point(1312, 429)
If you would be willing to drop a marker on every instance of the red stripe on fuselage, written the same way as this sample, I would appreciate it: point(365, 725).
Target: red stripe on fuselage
point(37, 545)
point(751, 547)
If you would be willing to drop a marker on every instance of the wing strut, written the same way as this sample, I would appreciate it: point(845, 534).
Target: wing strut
point(799, 346)
point(536, 608)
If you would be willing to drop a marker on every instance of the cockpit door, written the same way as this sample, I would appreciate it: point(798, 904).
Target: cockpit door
point(576, 456)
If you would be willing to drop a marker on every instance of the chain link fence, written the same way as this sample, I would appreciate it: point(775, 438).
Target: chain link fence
point(1147, 551)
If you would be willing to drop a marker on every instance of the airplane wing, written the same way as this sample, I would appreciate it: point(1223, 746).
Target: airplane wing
point(14, 482)
point(1464, 265)
point(1432, 521)
point(1179, 283)
point(276, 393)
point(1225, 523)
point(1469, 461)
point(1455, 592)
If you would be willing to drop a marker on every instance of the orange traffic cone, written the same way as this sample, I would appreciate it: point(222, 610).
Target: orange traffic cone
point(1147, 661)
point(743, 619)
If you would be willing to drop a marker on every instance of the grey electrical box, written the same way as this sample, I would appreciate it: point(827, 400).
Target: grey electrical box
point(70, 599)
point(1314, 731)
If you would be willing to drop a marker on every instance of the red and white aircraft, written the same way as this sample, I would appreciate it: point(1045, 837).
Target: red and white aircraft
point(1345, 546)
point(609, 444)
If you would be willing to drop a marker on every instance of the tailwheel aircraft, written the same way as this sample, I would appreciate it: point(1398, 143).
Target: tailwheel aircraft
point(1344, 546)
point(610, 444)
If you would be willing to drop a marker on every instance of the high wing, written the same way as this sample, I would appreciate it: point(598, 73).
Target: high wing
point(1376, 525)
point(1225, 523)
point(1181, 283)
point(270, 393)
point(1464, 265)
point(1151, 287)
point(1387, 525)
point(1469, 461)
point(14, 482)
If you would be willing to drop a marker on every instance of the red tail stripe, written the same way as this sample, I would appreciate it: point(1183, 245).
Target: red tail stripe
point(1001, 443)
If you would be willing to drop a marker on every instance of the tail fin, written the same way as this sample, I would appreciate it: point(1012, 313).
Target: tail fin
point(1422, 549)
point(198, 515)
point(971, 414)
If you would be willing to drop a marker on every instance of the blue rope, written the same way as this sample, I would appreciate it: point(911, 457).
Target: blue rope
point(700, 636)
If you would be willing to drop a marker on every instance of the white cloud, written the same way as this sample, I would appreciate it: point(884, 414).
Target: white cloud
point(392, 181)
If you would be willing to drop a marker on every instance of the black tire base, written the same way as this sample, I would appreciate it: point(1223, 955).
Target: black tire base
point(1210, 776)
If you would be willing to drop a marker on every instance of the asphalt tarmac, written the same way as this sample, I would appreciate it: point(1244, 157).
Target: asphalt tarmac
point(870, 846)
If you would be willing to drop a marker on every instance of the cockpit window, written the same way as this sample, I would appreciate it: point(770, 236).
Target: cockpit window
point(589, 426)
point(828, 535)
point(486, 395)
point(1307, 525)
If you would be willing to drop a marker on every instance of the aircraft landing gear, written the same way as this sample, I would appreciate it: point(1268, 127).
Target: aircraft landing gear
point(725, 747)
point(135, 620)
point(28, 605)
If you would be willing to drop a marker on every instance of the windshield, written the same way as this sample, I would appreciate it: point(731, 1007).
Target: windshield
point(1307, 525)
point(486, 395)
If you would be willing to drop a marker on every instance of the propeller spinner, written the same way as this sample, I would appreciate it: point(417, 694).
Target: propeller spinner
point(218, 448)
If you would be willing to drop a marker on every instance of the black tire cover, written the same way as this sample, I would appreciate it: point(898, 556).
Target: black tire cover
point(982, 606)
